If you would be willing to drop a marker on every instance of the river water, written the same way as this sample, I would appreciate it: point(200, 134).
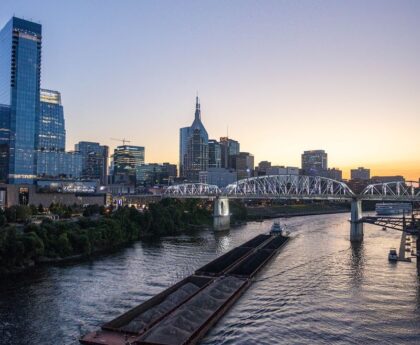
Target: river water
point(319, 290)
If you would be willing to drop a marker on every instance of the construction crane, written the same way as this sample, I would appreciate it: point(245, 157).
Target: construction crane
point(123, 140)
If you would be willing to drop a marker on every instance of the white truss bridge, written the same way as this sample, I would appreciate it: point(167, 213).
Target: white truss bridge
point(297, 187)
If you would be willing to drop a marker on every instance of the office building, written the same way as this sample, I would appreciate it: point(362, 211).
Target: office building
point(20, 76)
point(282, 170)
point(155, 174)
point(194, 148)
point(243, 163)
point(126, 159)
point(262, 168)
point(218, 176)
point(215, 158)
point(360, 174)
point(228, 149)
point(384, 179)
point(50, 139)
point(94, 160)
point(314, 162)
point(335, 174)
point(50, 129)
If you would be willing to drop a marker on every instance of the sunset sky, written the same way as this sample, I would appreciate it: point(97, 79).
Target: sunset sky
point(283, 76)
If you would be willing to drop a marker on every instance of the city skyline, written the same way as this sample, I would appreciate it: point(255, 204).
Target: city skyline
point(370, 120)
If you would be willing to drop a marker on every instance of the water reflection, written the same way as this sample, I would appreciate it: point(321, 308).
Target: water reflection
point(319, 290)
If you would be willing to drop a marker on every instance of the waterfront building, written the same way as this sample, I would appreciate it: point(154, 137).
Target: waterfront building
point(360, 173)
point(94, 160)
point(220, 177)
point(126, 159)
point(228, 149)
point(20, 76)
point(194, 147)
point(215, 158)
point(314, 162)
point(243, 163)
point(59, 164)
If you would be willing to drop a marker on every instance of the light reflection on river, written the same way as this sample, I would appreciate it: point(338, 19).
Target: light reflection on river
point(319, 290)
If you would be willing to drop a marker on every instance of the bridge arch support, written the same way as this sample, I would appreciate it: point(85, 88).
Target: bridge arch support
point(221, 213)
point(356, 223)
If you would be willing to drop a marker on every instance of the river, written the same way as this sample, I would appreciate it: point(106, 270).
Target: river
point(319, 290)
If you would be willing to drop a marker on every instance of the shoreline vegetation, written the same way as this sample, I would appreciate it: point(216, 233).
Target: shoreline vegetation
point(83, 233)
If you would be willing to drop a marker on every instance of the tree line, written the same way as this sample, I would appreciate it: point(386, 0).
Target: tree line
point(28, 243)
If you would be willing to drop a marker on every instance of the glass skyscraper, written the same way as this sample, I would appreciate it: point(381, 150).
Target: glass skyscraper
point(20, 75)
point(51, 132)
point(94, 160)
point(194, 147)
point(126, 159)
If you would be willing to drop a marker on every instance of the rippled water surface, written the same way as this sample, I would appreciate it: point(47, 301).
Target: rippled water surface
point(319, 290)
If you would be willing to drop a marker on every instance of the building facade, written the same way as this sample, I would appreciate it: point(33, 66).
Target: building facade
point(360, 173)
point(215, 154)
point(228, 149)
point(94, 160)
point(194, 147)
point(314, 162)
point(126, 159)
point(243, 163)
point(50, 129)
point(218, 176)
point(20, 78)
point(155, 174)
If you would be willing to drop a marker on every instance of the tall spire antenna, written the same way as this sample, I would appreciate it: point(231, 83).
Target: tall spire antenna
point(227, 131)
point(197, 107)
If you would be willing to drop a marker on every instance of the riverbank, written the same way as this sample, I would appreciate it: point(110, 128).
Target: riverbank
point(53, 242)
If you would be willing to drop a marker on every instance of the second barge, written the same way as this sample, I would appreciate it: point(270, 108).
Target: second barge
point(183, 313)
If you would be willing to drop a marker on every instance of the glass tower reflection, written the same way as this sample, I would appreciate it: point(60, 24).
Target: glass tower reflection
point(20, 60)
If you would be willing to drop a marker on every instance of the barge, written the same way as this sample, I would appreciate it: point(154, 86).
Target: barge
point(183, 313)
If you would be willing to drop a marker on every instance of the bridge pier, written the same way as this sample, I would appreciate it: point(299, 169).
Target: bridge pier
point(221, 214)
point(356, 225)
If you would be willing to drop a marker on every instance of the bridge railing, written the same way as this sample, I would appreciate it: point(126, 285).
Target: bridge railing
point(192, 190)
point(397, 190)
point(290, 186)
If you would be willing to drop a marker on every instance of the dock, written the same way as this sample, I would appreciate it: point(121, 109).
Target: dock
point(185, 312)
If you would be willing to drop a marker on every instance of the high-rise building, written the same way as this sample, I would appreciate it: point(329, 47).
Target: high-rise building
point(243, 163)
point(155, 174)
point(94, 160)
point(335, 174)
point(126, 159)
point(20, 76)
point(215, 158)
point(50, 129)
point(50, 140)
point(262, 168)
point(4, 141)
point(194, 147)
point(228, 149)
point(360, 174)
point(314, 162)
point(184, 134)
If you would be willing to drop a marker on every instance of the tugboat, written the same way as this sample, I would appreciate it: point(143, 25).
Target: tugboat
point(393, 256)
point(276, 229)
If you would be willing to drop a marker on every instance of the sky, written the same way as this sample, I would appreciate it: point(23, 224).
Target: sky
point(280, 77)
